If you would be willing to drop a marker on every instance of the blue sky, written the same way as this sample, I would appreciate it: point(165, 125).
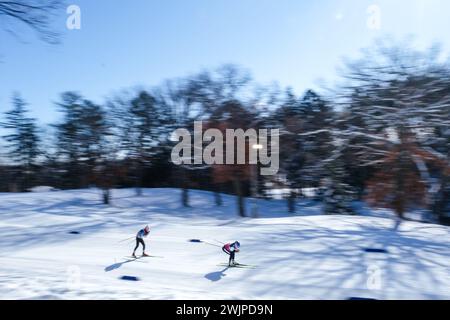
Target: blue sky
point(142, 42)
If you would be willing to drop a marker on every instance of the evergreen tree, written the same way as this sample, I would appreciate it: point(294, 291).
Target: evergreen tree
point(139, 127)
point(307, 142)
point(23, 141)
point(82, 139)
point(338, 194)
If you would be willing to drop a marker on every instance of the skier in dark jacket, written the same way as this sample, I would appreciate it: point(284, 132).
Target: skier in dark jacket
point(140, 240)
point(231, 249)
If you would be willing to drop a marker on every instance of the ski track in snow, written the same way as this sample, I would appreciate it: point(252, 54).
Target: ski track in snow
point(305, 256)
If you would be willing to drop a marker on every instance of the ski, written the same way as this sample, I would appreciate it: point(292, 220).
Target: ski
point(238, 265)
point(150, 256)
point(139, 257)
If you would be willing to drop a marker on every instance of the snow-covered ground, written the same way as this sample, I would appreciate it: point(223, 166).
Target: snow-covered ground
point(307, 256)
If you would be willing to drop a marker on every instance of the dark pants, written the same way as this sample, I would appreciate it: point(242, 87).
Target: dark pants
point(139, 240)
point(230, 253)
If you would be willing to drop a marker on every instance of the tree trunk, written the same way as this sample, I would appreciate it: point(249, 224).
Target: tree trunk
point(441, 201)
point(399, 200)
point(185, 197)
point(240, 198)
point(138, 191)
point(106, 196)
point(291, 202)
point(184, 189)
point(138, 179)
point(218, 196)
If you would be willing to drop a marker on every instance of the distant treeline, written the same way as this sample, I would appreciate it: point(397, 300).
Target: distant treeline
point(382, 135)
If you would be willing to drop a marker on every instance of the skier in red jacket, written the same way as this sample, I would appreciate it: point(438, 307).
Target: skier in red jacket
point(231, 249)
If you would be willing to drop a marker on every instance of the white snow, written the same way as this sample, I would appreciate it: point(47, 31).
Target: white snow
point(42, 189)
point(307, 256)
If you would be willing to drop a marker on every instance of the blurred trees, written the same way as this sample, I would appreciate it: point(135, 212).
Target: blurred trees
point(202, 97)
point(382, 136)
point(137, 125)
point(397, 101)
point(233, 115)
point(22, 143)
point(81, 140)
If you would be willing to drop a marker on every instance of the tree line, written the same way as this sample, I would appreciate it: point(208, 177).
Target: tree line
point(381, 135)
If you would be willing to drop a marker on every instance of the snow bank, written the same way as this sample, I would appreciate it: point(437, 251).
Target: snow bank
point(42, 189)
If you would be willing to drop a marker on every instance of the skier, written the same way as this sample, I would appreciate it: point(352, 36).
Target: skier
point(140, 240)
point(231, 249)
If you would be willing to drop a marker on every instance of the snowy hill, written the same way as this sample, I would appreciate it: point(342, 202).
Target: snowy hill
point(64, 244)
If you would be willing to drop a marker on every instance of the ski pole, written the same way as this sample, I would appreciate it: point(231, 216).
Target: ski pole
point(125, 240)
point(219, 241)
point(211, 244)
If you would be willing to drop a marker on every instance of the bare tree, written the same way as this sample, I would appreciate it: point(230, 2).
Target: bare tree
point(394, 100)
point(35, 14)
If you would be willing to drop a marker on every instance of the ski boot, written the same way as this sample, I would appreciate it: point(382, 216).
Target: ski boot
point(145, 255)
point(134, 255)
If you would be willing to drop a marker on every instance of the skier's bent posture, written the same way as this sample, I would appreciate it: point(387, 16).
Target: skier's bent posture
point(140, 240)
point(231, 249)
